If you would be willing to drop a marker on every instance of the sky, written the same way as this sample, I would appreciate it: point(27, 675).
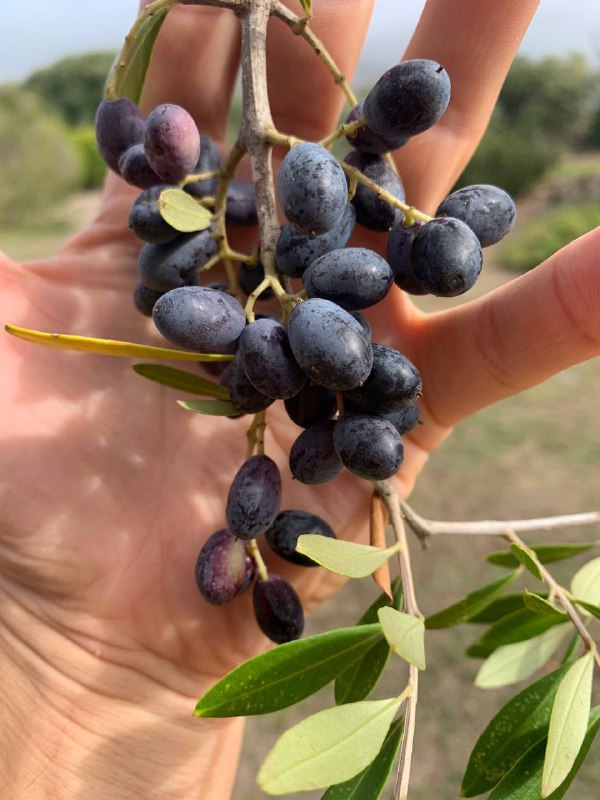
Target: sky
point(34, 33)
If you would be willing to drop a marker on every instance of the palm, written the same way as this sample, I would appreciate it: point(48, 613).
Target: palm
point(114, 487)
point(124, 486)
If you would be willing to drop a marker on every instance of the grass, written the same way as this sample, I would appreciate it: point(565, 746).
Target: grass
point(548, 233)
point(28, 244)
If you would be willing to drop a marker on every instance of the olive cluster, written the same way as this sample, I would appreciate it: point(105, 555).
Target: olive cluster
point(354, 398)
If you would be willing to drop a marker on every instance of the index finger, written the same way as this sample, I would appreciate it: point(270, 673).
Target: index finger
point(476, 42)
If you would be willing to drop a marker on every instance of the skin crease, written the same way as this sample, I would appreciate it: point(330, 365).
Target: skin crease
point(108, 488)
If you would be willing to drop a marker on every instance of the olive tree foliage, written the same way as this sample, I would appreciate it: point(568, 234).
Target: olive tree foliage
point(36, 170)
point(73, 87)
point(553, 95)
point(544, 108)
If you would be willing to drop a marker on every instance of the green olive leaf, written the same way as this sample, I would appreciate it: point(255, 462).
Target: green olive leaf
point(213, 408)
point(370, 783)
point(307, 6)
point(382, 600)
point(592, 609)
point(357, 682)
point(128, 72)
point(546, 553)
point(515, 662)
point(524, 781)
point(527, 557)
point(568, 723)
point(345, 558)
point(585, 584)
point(287, 674)
point(515, 627)
point(182, 212)
point(470, 605)
point(405, 635)
point(180, 379)
point(520, 724)
point(539, 605)
point(500, 608)
point(328, 747)
point(108, 347)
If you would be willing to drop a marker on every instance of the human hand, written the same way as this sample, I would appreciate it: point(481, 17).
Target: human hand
point(109, 489)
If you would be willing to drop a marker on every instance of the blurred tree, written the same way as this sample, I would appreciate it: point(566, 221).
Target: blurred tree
point(38, 165)
point(545, 235)
point(553, 96)
point(92, 166)
point(513, 156)
point(543, 108)
point(73, 87)
point(593, 134)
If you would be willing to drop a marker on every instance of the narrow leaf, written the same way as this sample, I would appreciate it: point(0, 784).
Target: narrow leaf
point(546, 553)
point(357, 682)
point(127, 75)
point(521, 723)
point(595, 610)
point(370, 783)
point(108, 347)
point(515, 627)
point(345, 558)
point(500, 608)
point(328, 747)
point(515, 662)
point(524, 781)
point(182, 212)
point(586, 583)
point(214, 408)
point(568, 723)
point(536, 603)
point(571, 649)
point(180, 379)
point(470, 605)
point(360, 679)
point(307, 6)
point(370, 614)
point(287, 674)
point(405, 634)
point(526, 557)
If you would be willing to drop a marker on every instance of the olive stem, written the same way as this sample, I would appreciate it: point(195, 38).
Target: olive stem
point(255, 436)
point(300, 27)
point(356, 176)
point(424, 528)
point(224, 253)
point(392, 503)
point(253, 297)
point(556, 590)
point(254, 553)
point(200, 176)
point(347, 129)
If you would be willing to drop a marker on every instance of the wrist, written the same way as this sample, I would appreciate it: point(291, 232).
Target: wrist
point(66, 734)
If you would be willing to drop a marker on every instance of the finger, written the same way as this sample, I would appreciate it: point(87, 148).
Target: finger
point(516, 336)
point(194, 64)
point(305, 100)
point(476, 41)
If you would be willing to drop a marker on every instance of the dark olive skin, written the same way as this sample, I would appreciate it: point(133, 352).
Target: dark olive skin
point(278, 609)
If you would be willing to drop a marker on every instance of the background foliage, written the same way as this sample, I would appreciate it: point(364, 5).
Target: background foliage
point(36, 169)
